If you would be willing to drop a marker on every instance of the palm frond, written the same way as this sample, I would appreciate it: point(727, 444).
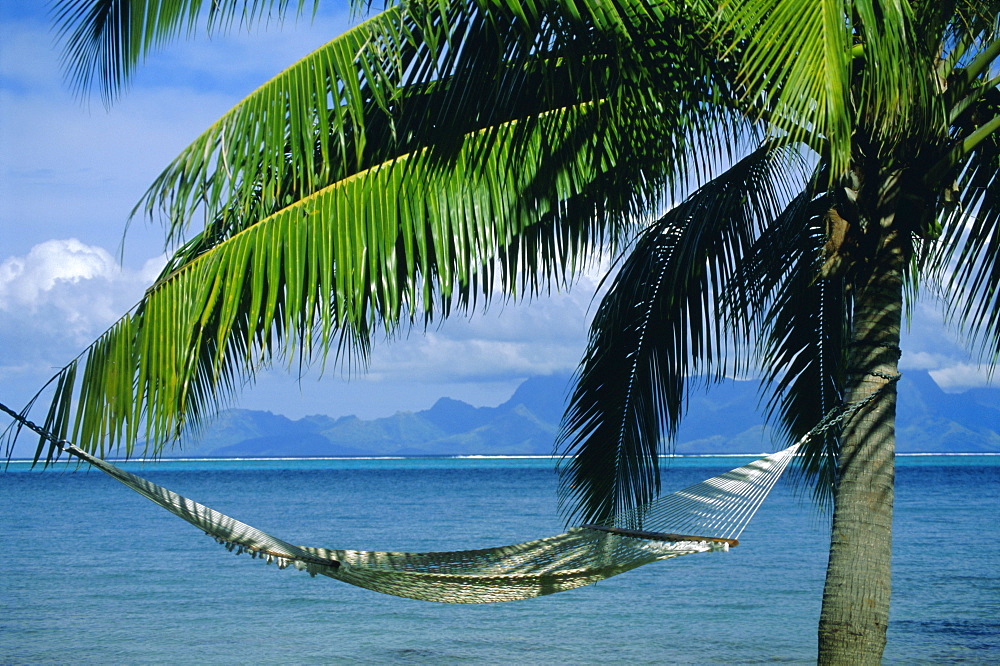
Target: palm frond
point(391, 175)
point(377, 249)
point(805, 356)
point(105, 40)
point(301, 131)
point(662, 321)
point(802, 318)
point(966, 259)
point(792, 65)
point(428, 73)
point(898, 94)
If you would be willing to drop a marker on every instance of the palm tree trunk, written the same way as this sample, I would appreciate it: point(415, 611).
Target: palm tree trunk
point(855, 611)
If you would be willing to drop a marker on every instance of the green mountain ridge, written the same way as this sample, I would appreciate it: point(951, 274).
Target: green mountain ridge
point(724, 419)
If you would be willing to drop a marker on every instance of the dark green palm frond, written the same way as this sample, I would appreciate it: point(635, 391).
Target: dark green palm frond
point(803, 318)
point(770, 259)
point(954, 26)
point(965, 261)
point(805, 356)
point(105, 40)
point(967, 257)
point(642, 154)
point(661, 322)
point(812, 379)
point(962, 27)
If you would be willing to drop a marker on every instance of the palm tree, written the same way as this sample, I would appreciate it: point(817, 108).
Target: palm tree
point(828, 157)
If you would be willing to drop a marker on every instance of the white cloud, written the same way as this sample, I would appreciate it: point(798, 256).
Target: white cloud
point(540, 337)
point(930, 345)
point(460, 352)
point(24, 280)
point(961, 376)
point(923, 360)
point(480, 359)
point(55, 300)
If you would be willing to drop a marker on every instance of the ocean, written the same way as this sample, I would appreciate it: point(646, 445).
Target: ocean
point(92, 573)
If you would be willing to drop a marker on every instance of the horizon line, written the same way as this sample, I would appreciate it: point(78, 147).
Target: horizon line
point(474, 456)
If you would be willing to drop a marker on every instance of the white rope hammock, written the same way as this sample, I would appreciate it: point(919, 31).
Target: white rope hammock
point(707, 516)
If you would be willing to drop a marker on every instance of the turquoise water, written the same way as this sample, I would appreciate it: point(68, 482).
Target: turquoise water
point(93, 573)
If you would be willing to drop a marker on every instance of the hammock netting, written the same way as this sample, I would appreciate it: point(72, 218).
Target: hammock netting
point(707, 516)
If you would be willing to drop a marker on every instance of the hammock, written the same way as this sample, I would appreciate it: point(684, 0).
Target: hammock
point(707, 516)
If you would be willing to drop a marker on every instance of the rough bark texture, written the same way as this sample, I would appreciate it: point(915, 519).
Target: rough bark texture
point(855, 610)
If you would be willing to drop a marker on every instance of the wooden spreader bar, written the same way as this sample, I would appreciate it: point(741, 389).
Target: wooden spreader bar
point(658, 536)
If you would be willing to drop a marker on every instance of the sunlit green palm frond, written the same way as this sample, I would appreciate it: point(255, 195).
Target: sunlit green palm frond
point(463, 77)
point(375, 249)
point(816, 71)
point(791, 61)
point(303, 130)
point(372, 250)
point(398, 171)
point(662, 321)
point(414, 76)
point(105, 40)
point(897, 94)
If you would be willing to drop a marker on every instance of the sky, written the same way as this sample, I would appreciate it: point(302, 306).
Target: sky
point(71, 171)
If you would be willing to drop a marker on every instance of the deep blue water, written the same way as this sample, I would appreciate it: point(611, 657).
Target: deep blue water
point(92, 573)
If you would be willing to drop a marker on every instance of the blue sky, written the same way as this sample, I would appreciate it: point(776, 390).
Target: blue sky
point(71, 171)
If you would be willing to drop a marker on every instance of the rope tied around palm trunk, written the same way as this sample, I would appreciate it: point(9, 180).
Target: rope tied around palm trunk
point(842, 413)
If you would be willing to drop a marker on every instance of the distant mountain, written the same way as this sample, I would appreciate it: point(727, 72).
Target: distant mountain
point(930, 420)
point(724, 419)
